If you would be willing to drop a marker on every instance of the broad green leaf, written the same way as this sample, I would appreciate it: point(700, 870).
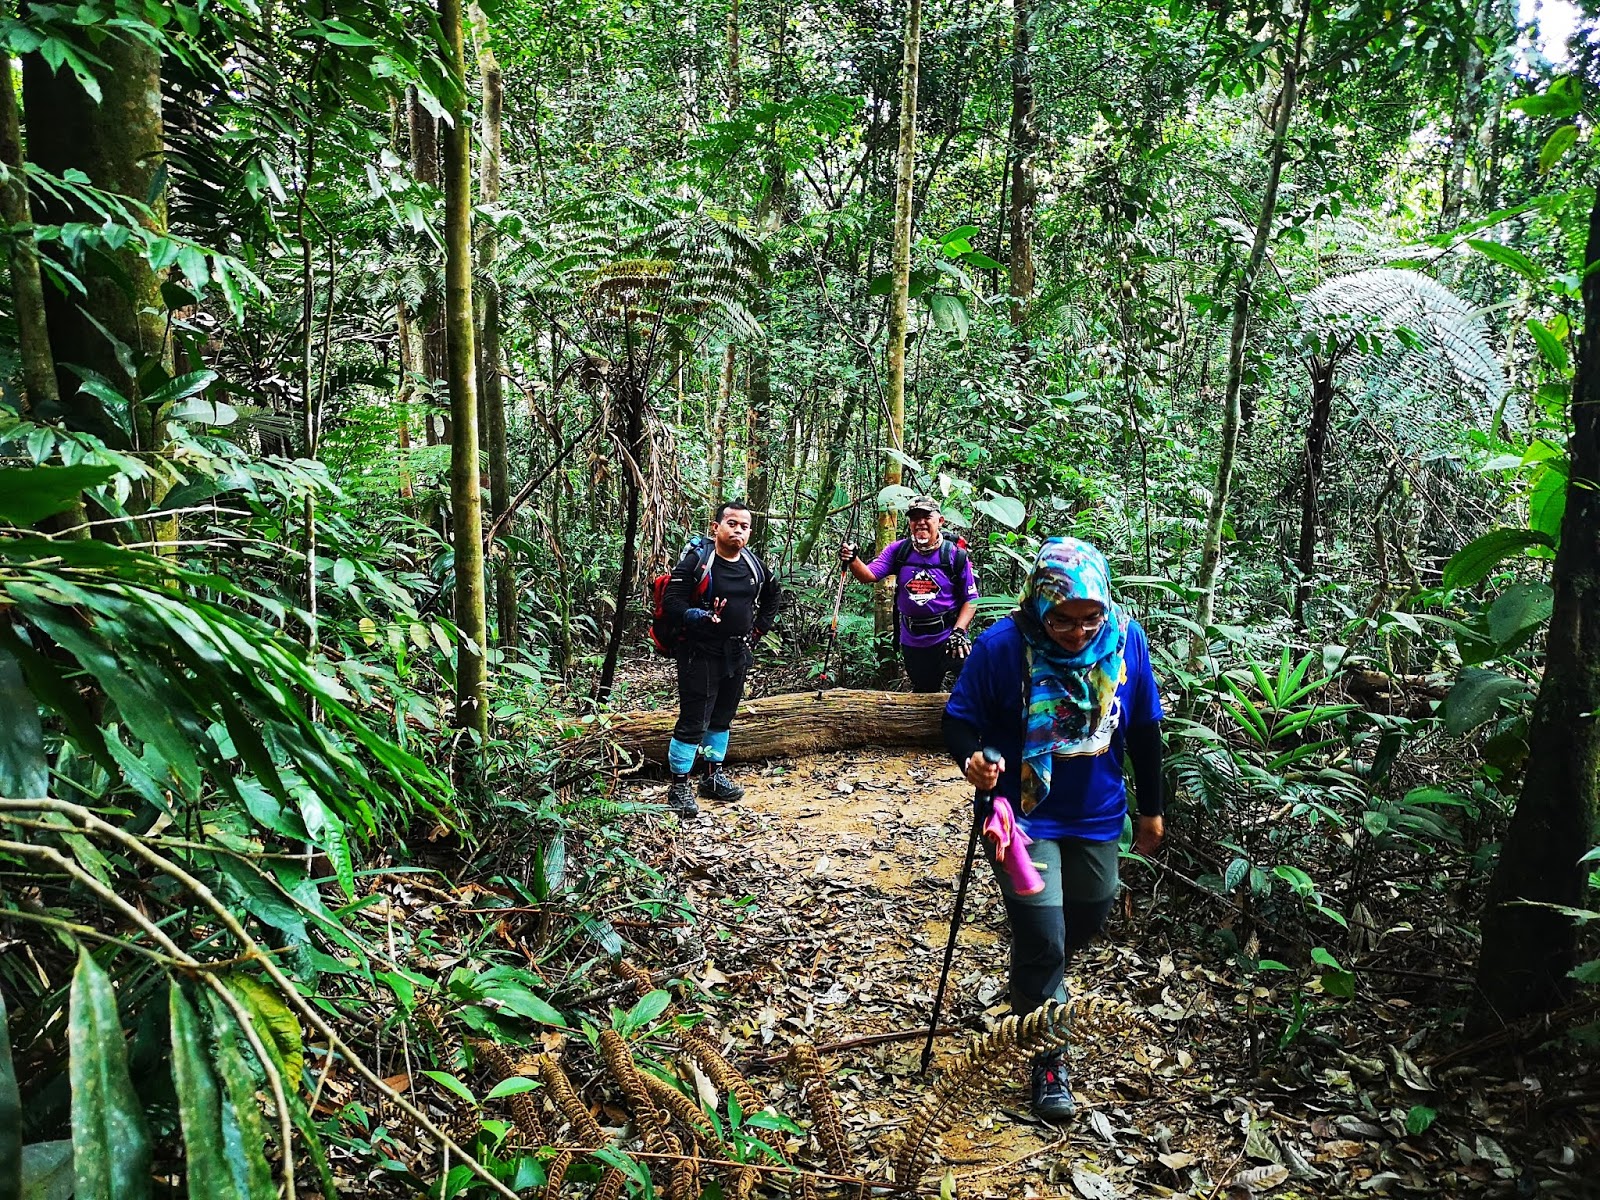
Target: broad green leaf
point(649, 1007)
point(1550, 346)
point(47, 1171)
point(524, 1003)
point(1506, 256)
point(110, 1143)
point(949, 313)
point(10, 1114)
point(29, 494)
point(1561, 99)
point(200, 411)
point(513, 1086)
point(1556, 146)
point(1518, 611)
point(1237, 870)
point(276, 1025)
point(1007, 510)
point(1419, 1119)
point(1476, 559)
point(1476, 697)
point(244, 1134)
point(310, 1139)
point(1547, 504)
point(199, 1105)
point(447, 1080)
point(24, 774)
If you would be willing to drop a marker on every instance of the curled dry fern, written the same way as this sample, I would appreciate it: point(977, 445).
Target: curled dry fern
point(585, 1129)
point(556, 1174)
point(992, 1054)
point(683, 1110)
point(722, 1073)
point(824, 1112)
point(647, 1117)
point(524, 1109)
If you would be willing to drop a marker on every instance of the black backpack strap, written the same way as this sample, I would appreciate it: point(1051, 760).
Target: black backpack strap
point(958, 573)
point(897, 560)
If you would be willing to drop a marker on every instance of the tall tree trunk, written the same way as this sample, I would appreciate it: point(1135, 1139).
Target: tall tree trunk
point(466, 496)
point(491, 385)
point(1216, 514)
point(633, 402)
point(1527, 951)
point(431, 312)
point(1316, 451)
point(118, 143)
point(40, 394)
point(899, 303)
point(1024, 144)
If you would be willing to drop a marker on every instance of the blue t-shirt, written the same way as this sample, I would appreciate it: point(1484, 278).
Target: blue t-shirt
point(1088, 798)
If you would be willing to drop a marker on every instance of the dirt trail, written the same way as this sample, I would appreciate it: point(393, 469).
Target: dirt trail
point(827, 890)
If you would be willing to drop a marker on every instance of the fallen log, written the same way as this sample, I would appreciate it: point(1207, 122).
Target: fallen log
point(781, 726)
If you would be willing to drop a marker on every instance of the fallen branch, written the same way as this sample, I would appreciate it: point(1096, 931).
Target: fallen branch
point(779, 726)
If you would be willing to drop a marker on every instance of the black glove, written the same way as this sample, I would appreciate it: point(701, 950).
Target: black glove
point(959, 644)
point(847, 554)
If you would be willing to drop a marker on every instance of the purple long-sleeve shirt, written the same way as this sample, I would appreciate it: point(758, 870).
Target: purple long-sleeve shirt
point(925, 590)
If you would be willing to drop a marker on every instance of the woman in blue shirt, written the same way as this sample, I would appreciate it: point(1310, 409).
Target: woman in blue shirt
point(1063, 689)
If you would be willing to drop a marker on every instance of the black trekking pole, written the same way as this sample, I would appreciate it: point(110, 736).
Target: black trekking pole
point(990, 755)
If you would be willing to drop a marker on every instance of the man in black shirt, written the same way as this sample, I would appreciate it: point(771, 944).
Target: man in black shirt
point(726, 601)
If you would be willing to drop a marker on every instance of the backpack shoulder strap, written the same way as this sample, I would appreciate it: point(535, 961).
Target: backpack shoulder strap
point(756, 567)
point(902, 552)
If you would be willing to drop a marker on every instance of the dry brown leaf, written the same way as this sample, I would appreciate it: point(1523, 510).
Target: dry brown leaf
point(1260, 1179)
point(1340, 1148)
point(1176, 1162)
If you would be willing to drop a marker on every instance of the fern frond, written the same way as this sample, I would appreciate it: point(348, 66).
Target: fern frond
point(991, 1056)
point(684, 1110)
point(585, 1129)
point(556, 1174)
point(647, 1118)
point(524, 1108)
point(721, 1072)
point(824, 1112)
point(1440, 372)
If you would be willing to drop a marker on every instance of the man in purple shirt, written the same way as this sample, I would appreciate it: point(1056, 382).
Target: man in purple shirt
point(935, 594)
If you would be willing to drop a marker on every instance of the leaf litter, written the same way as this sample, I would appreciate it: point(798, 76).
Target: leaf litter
point(822, 901)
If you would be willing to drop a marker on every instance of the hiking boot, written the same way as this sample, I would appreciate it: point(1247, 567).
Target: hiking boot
point(680, 797)
point(1051, 1098)
point(717, 786)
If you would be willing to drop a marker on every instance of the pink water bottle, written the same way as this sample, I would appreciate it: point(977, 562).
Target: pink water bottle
point(1011, 848)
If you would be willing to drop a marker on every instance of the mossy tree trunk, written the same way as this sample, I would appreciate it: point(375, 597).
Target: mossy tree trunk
point(491, 384)
point(1528, 947)
point(466, 496)
point(1024, 144)
point(118, 143)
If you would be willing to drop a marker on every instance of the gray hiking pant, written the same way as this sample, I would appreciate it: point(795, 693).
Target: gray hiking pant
point(1080, 881)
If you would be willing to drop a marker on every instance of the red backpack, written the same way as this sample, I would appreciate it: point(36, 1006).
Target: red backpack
point(666, 634)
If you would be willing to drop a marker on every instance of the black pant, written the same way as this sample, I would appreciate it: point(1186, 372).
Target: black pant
point(926, 666)
point(710, 686)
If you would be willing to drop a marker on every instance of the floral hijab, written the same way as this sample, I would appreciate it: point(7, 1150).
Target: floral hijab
point(1069, 696)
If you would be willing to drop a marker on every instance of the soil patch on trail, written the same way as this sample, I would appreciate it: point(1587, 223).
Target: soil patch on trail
point(828, 890)
point(824, 897)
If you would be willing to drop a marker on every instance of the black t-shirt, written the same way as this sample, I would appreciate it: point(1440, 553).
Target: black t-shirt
point(736, 583)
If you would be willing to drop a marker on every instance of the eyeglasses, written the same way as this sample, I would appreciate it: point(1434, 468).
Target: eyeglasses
point(1061, 623)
